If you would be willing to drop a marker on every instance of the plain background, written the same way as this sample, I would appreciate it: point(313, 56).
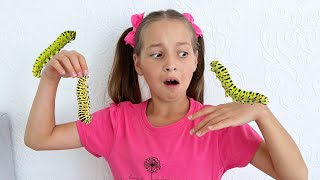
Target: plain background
point(271, 47)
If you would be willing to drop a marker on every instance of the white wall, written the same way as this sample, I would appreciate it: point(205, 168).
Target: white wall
point(272, 47)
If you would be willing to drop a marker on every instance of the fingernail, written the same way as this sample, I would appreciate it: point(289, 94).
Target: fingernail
point(79, 74)
point(62, 72)
point(73, 74)
point(85, 72)
point(199, 134)
point(190, 117)
point(192, 131)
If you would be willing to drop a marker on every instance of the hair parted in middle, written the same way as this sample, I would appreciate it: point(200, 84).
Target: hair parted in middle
point(123, 84)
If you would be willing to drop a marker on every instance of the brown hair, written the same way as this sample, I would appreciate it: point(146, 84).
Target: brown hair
point(123, 84)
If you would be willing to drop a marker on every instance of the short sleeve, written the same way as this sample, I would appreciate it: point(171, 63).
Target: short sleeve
point(238, 145)
point(98, 136)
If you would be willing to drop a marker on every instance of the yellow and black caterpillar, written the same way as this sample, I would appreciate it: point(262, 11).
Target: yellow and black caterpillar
point(83, 100)
point(231, 90)
point(53, 49)
point(82, 94)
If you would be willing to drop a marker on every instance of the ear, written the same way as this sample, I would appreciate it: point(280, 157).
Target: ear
point(137, 64)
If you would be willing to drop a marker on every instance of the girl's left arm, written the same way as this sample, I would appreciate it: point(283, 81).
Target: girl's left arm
point(278, 155)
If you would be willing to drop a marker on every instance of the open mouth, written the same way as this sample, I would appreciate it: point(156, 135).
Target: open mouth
point(171, 82)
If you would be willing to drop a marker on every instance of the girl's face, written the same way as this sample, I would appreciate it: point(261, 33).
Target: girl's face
point(167, 60)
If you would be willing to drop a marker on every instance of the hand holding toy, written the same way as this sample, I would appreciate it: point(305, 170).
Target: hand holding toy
point(70, 66)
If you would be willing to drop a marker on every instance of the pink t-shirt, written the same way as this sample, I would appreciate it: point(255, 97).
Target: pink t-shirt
point(134, 149)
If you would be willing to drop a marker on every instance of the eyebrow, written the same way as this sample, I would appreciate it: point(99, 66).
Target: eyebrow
point(154, 45)
point(160, 44)
point(183, 43)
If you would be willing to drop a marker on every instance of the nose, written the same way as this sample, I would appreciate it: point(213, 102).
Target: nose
point(170, 68)
point(170, 65)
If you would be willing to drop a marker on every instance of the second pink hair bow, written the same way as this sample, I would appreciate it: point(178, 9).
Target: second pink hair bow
point(195, 27)
point(136, 19)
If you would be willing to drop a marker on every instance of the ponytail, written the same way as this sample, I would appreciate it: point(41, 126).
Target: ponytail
point(196, 87)
point(123, 84)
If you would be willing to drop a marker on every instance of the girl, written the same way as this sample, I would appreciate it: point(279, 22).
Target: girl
point(171, 135)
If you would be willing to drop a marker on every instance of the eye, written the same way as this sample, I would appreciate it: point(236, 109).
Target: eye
point(183, 54)
point(156, 55)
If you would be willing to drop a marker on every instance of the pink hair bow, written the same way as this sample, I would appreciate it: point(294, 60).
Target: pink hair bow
point(195, 27)
point(136, 19)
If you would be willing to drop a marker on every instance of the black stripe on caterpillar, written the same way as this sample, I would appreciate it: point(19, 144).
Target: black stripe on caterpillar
point(53, 49)
point(231, 90)
point(82, 94)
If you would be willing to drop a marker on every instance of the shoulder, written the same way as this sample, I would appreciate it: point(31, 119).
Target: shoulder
point(116, 113)
point(128, 106)
point(125, 105)
point(123, 109)
point(196, 105)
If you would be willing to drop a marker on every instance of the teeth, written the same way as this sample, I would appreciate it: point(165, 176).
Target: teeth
point(171, 80)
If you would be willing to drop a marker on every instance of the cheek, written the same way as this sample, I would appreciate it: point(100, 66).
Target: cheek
point(188, 73)
point(149, 69)
point(190, 67)
point(150, 73)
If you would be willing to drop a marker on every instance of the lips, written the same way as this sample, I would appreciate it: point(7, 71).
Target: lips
point(171, 81)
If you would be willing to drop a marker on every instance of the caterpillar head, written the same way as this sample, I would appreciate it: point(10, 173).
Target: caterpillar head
point(70, 34)
point(214, 65)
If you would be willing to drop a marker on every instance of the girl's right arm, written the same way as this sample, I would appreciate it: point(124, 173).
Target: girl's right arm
point(42, 133)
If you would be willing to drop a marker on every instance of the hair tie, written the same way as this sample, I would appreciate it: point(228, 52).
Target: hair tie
point(136, 19)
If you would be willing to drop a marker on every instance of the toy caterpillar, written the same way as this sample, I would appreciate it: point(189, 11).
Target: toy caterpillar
point(53, 49)
point(83, 100)
point(82, 94)
point(231, 90)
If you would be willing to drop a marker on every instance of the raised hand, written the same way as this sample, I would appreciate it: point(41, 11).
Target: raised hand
point(66, 64)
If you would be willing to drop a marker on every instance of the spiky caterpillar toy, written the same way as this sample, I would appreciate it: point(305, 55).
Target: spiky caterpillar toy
point(231, 90)
point(82, 94)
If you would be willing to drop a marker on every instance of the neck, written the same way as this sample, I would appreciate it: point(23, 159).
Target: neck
point(164, 113)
